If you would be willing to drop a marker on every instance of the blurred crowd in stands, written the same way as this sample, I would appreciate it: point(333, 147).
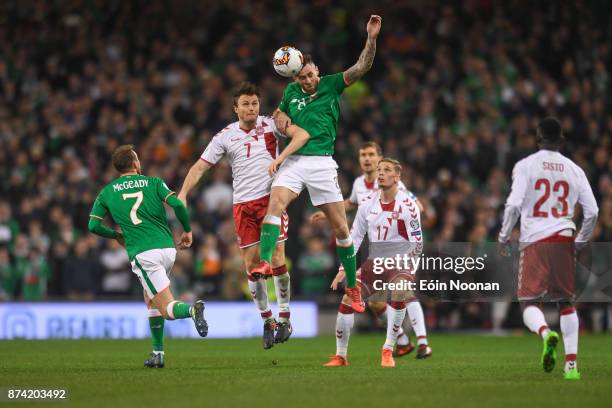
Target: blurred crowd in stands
point(455, 93)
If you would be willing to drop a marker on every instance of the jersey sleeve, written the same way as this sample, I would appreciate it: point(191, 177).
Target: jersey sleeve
point(336, 82)
point(214, 151)
point(412, 219)
point(353, 197)
point(514, 202)
point(412, 222)
point(163, 191)
point(360, 226)
point(99, 209)
point(587, 201)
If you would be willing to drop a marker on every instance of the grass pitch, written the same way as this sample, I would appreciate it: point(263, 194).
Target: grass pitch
point(465, 370)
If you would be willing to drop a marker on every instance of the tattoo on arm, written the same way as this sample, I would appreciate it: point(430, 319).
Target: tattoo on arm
point(363, 65)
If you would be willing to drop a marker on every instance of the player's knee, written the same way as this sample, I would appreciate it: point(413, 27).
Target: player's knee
point(277, 205)
point(346, 300)
point(565, 304)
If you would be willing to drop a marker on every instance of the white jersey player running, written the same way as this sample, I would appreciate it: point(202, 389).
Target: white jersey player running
point(545, 188)
point(370, 153)
point(251, 146)
point(391, 219)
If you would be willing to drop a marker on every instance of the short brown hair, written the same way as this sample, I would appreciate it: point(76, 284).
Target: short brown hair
point(245, 88)
point(307, 59)
point(124, 158)
point(374, 145)
point(397, 166)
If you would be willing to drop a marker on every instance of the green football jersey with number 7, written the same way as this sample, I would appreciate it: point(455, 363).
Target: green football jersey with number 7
point(318, 113)
point(136, 203)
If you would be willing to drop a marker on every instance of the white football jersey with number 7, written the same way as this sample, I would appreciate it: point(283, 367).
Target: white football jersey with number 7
point(249, 153)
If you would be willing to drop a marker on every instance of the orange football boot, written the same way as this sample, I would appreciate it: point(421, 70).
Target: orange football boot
point(336, 361)
point(357, 302)
point(263, 270)
point(386, 359)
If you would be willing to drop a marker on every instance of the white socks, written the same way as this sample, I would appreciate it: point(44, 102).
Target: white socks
point(344, 324)
point(569, 329)
point(534, 320)
point(282, 287)
point(402, 337)
point(395, 316)
point(271, 219)
point(417, 320)
point(259, 293)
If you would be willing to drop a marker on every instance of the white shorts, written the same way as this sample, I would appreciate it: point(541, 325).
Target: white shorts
point(317, 173)
point(152, 268)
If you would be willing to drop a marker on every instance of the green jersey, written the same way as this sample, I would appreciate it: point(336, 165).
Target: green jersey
point(317, 114)
point(136, 203)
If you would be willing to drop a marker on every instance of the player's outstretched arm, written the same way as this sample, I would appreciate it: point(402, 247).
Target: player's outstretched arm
point(181, 214)
point(193, 177)
point(364, 63)
point(299, 137)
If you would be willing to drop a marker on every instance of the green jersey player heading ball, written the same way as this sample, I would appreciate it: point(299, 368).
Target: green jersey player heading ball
point(313, 103)
point(136, 203)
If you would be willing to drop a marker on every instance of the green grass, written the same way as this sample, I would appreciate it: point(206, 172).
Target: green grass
point(465, 370)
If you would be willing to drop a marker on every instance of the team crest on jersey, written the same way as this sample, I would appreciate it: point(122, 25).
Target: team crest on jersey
point(259, 131)
point(414, 224)
point(301, 103)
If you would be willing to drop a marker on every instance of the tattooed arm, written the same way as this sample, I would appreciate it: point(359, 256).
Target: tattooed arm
point(364, 63)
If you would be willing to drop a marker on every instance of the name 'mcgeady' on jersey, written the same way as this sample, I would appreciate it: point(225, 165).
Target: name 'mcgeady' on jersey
point(136, 203)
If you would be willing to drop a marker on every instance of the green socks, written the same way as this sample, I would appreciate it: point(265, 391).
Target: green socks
point(181, 310)
point(157, 332)
point(347, 259)
point(270, 231)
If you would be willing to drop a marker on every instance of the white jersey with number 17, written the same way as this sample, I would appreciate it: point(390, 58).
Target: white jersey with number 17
point(545, 188)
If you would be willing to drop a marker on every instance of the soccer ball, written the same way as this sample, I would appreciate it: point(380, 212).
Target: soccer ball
point(288, 61)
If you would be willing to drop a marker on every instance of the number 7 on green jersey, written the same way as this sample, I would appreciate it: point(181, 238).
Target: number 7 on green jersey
point(133, 215)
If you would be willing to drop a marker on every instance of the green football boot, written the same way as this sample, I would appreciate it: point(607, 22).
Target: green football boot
point(572, 374)
point(571, 371)
point(549, 353)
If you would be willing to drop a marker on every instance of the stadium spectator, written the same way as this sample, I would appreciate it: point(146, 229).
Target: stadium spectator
point(81, 273)
point(454, 93)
